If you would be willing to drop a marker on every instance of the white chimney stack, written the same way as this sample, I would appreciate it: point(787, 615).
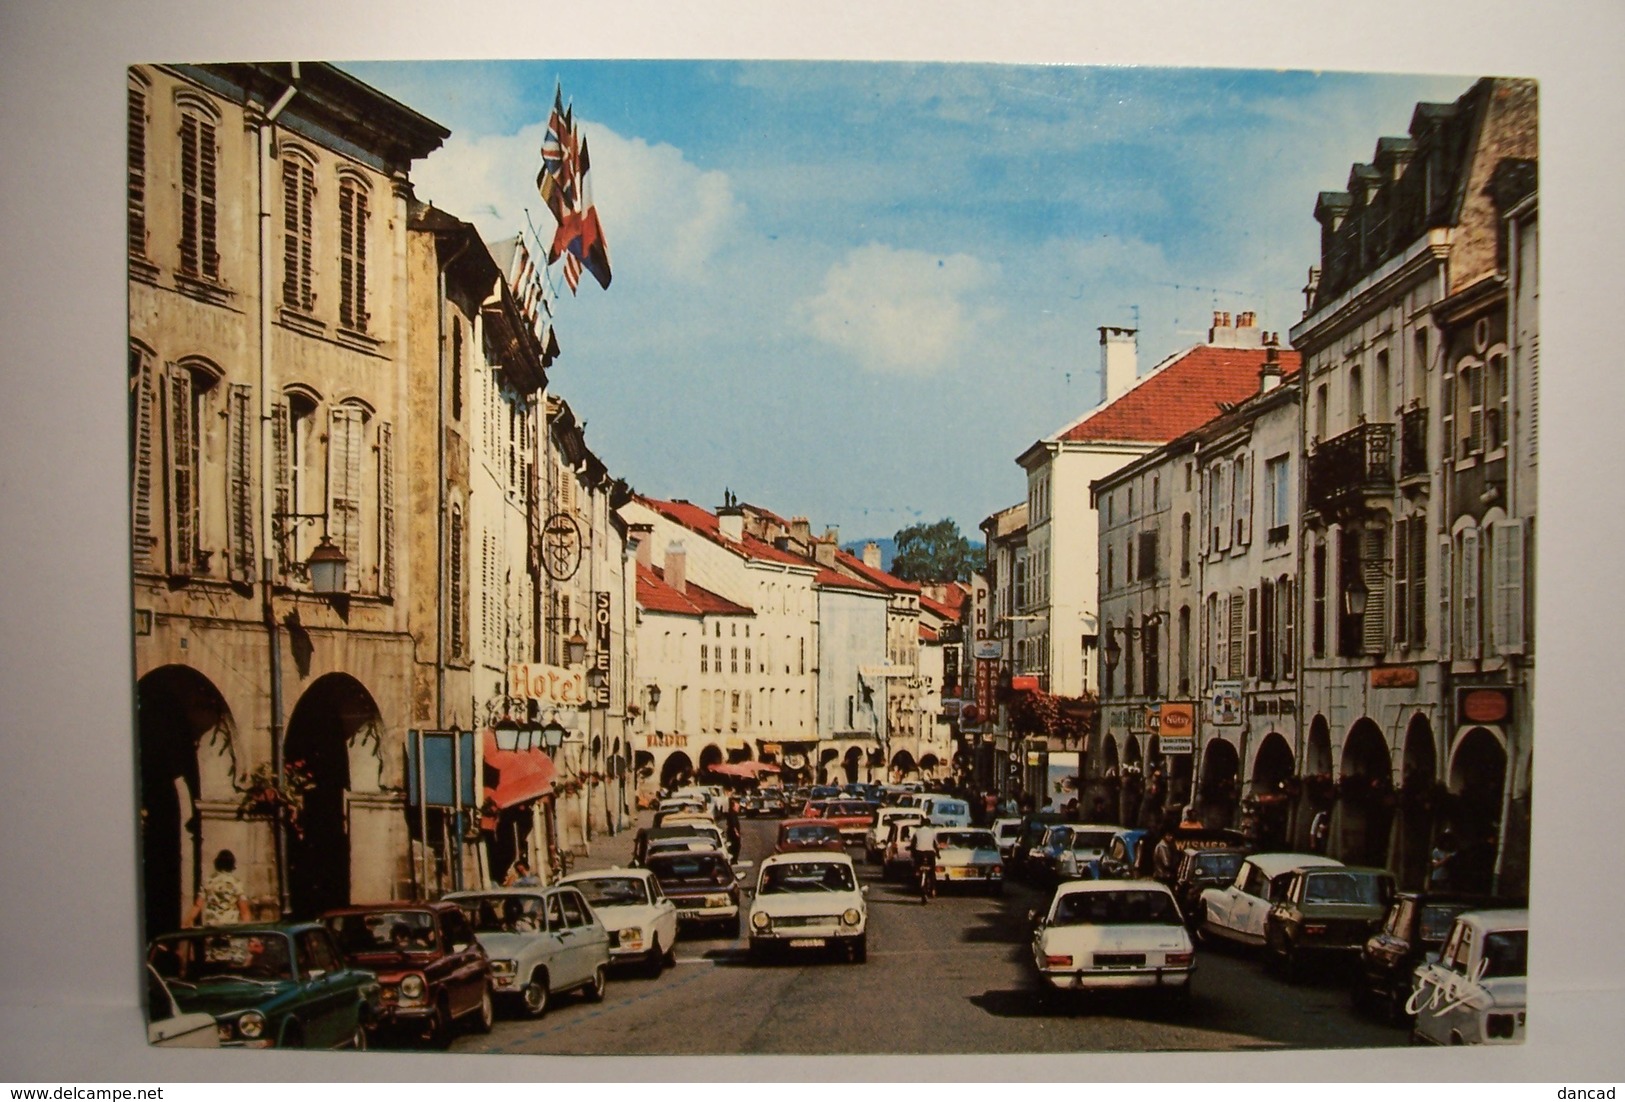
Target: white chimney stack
point(677, 567)
point(1118, 366)
point(871, 556)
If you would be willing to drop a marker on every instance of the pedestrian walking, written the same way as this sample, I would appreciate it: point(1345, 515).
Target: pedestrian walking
point(1320, 828)
point(1165, 859)
point(222, 901)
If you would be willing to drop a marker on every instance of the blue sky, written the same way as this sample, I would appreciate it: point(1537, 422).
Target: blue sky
point(856, 291)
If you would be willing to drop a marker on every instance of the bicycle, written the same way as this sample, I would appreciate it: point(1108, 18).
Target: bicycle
point(926, 876)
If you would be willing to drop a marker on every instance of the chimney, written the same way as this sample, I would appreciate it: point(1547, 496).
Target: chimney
point(1240, 332)
point(823, 550)
point(1118, 350)
point(731, 523)
point(1269, 375)
point(645, 535)
point(801, 531)
point(677, 567)
point(871, 555)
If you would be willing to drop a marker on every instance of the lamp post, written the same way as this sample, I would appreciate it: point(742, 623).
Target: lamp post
point(1355, 596)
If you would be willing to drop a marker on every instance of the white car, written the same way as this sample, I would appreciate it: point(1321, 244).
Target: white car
point(946, 811)
point(642, 922)
point(809, 900)
point(874, 842)
point(1104, 934)
point(167, 1026)
point(1008, 832)
point(541, 941)
point(1080, 858)
point(968, 857)
point(1238, 910)
point(1476, 991)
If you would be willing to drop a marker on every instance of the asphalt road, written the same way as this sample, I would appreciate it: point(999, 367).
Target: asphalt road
point(947, 977)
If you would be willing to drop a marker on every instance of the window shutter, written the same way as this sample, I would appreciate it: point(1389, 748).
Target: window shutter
point(1418, 581)
point(189, 196)
point(143, 537)
point(1446, 619)
point(282, 474)
point(1402, 565)
point(207, 240)
point(1373, 628)
point(298, 203)
point(386, 510)
point(455, 583)
point(1237, 621)
point(240, 483)
point(1266, 630)
point(344, 488)
point(1221, 496)
point(1532, 404)
point(1244, 522)
point(1509, 542)
point(1470, 645)
point(1287, 597)
point(136, 154)
point(352, 257)
point(1252, 632)
point(182, 474)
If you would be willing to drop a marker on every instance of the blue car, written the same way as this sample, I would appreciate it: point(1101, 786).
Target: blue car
point(1123, 855)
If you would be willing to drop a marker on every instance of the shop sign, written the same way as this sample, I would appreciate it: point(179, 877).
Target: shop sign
point(601, 637)
point(986, 675)
point(1395, 677)
point(988, 652)
point(1273, 706)
point(1180, 744)
point(772, 748)
point(553, 686)
point(668, 738)
point(1024, 683)
point(1224, 703)
point(1483, 705)
point(1176, 721)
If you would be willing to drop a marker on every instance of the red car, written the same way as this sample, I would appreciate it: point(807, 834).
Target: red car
point(431, 971)
point(798, 835)
point(852, 818)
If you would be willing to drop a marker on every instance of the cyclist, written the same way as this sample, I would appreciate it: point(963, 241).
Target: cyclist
point(923, 850)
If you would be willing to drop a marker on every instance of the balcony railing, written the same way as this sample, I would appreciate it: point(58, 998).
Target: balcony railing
point(1413, 443)
point(1347, 467)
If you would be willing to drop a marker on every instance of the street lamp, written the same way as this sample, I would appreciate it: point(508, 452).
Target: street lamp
point(326, 563)
point(552, 734)
point(1113, 650)
point(575, 649)
point(654, 696)
point(1355, 596)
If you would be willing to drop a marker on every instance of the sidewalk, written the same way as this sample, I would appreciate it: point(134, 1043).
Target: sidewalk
point(608, 850)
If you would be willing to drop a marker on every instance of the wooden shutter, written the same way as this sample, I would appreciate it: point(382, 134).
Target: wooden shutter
point(282, 476)
point(344, 488)
point(143, 385)
point(189, 199)
point(182, 474)
point(1402, 565)
point(136, 155)
point(1470, 591)
point(1508, 537)
point(240, 483)
point(1244, 507)
point(199, 255)
point(1418, 581)
point(1532, 402)
point(1373, 629)
point(298, 213)
point(1237, 625)
point(1287, 596)
point(1222, 489)
point(1252, 632)
point(352, 257)
point(1266, 630)
point(386, 510)
point(1446, 606)
point(456, 582)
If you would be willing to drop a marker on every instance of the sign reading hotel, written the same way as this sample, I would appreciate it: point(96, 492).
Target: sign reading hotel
point(551, 686)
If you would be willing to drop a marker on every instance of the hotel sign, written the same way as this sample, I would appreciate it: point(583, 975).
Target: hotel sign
point(552, 686)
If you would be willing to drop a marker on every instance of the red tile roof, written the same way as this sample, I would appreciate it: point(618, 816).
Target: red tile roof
point(927, 635)
point(947, 612)
point(834, 579)
point(704, 523)
point(1179, 396)
point(654, 595)
point(874, 574)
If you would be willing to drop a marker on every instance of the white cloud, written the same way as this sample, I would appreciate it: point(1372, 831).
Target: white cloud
point(899, 311)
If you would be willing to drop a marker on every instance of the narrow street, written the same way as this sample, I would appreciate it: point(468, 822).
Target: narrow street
point(948, 977)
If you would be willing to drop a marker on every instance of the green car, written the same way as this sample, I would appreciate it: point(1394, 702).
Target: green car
point(1325, 913)
point(268, 986)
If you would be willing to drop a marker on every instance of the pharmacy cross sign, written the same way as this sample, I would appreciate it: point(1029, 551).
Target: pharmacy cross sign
point(561, 547)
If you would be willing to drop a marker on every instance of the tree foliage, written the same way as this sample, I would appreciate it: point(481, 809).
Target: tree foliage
point(933, 553)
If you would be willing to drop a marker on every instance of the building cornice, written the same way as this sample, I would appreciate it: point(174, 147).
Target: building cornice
point(1319, 329)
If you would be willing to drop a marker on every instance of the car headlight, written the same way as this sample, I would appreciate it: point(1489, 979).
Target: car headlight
point(631, 937)
point(413, 987)
point(760, 920)
point(852, 917)
point(503, 967)
point(251, 1025)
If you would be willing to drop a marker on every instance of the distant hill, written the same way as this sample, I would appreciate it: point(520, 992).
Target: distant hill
point(888, 549)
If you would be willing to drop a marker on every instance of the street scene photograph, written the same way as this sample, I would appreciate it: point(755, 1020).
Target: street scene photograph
point(687, 558)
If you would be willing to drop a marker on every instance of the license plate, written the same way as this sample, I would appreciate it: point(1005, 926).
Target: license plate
point(806, 943)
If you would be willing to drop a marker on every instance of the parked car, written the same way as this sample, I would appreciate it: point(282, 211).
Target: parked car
point(1007, 831)
point(1103, 934)
point(773, 803)
point(541, 941)
point(809, 901)
point(946, 811)
point(897, 863)
point(1416, 925)
point(1127, 856)
point(169, 1027)
point(705, 888)
point(268, 986)
point(852, 818)
point(969, 858)
point(803, 834)
point(1033, 826)
point(641, 921)
point(647, 836)
point(1323, 914)
point(1476, 991)
point(1237, 911)
point(432, 972)
point(1078, 858)
point(874, 843)
point(1199, 870)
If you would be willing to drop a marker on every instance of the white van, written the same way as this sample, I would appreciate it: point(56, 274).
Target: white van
point(946, 811)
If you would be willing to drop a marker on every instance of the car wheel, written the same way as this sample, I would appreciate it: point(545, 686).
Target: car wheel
point(1291, 962)
point(860, 949)
point(760, 950)
point(293, 1037)
point(655, 962)
point(439, 1031)
point(358, 1039)
point(485, 1017)
point(595, 987)
point(670, 958)
point(536, 994)
point(736, 927)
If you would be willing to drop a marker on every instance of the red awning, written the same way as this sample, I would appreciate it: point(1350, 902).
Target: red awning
point(524, 774)
point(743, 768)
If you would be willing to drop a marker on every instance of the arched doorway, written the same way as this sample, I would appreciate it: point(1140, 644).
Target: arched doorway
point(1272, 770)
point(1477, 781)
point(829, 761)
point(852, 764)
point(676, 770)
point(1221, 783)
point(928, 766)
point(739, 754)
point(1365, 797)
point(331, 726)
point(1419, 772)
point(186, 754)
point(1133, 789)
point(709, 756)
point(1319, 786)
point(902, 766)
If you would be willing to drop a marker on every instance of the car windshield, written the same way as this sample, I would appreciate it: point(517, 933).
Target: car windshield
point(1346, 887)
point(212, 958)
point(1436, 919)
point(690, 867)
point(501, 913)
point(950, 807)
point(846, 808)
point(614, 891)
point(1216, 865)
point(1506, 953)
point(1116, 908)
point(807, 876)
point(806, 834)
point(1009, 830)
point(1091, 839)
point(965, 839)
point(383, 931)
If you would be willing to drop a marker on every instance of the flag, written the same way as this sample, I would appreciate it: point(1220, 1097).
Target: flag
point(557, 179)
point(572, 271)
point(593, 249)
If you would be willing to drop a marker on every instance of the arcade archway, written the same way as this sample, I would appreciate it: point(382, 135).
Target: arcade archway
point(902, 766)
point(1419, 772)
point(1221, 783)
point(1272, 770)
point(1477, 780)
point(852, 764)
point(675, 771)
point(1365, 791)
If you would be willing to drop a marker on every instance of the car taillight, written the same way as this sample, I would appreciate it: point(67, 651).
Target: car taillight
point(1178, 960)
point(1051, 961)
point(1315, 928)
